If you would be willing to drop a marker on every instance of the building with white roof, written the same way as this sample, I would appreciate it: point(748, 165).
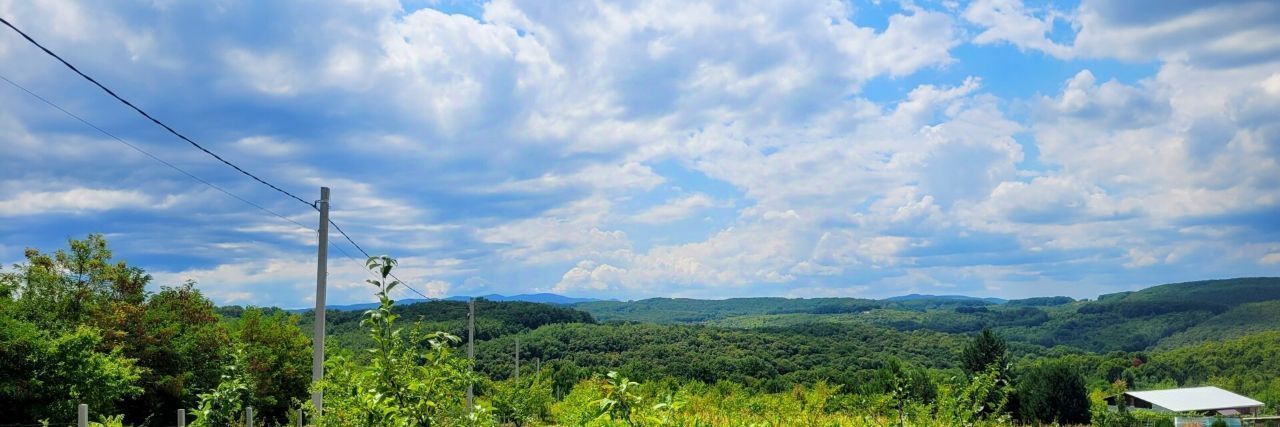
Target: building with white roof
point(1200, 400)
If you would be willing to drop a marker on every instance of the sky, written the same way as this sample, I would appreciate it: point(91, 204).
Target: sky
point(688, 148)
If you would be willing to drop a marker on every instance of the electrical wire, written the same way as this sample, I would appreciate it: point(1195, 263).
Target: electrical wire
point(203, 181)
point(182, 137)
point(148, 154)
point(148, 116)
point(366, 255)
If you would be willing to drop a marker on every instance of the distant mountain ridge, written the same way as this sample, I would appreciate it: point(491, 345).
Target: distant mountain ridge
point(914, 297)
point(542, 298)
point(545, 298)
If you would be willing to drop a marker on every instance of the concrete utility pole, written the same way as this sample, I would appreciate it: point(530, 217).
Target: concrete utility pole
point(471, 348)
point(517, 359)
point(322, 264)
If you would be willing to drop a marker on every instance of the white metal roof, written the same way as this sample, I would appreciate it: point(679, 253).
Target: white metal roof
point(1195, 399)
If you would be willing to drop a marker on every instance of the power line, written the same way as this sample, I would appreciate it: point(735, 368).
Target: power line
point(148, 116)
point(200, 180)
point(184, 138)
point(366, 255)
point(144, 152)
point(362, 266)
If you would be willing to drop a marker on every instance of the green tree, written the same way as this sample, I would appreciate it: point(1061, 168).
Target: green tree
point(988, 353)
point(224, 405)
point(1053, 391)
point(61, 290)
point(183, 347)
point(45, 374)
point(407, 381)
point(523, 400)
point(276, 361)
point(984, 351)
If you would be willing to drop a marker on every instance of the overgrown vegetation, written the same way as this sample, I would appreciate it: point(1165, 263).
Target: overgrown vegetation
point(78, 326)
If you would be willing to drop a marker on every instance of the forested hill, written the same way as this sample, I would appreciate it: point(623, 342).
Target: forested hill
point(1184, 313)
point(493, 318)
point(123, 350)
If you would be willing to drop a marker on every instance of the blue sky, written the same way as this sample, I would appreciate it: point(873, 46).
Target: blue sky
point(687, 148)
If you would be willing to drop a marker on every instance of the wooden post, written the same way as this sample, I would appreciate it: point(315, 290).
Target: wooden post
point(82, 415)
point(182, 418)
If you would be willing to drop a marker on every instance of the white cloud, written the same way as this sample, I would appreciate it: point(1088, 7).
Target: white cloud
point(266, 146)
point(674, 209)
point(1206, 33)
point(76, 201)
point(519, 143)
point(1010, 21)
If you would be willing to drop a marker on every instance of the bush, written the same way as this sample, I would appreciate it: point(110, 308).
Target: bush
point(1053, 392)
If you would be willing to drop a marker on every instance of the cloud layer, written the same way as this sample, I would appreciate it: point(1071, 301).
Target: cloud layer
point(692, 148)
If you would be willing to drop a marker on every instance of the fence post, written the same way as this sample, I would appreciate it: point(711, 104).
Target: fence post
point(182, 418)
point(248, 416)
point(82, 415)
point(300, 422)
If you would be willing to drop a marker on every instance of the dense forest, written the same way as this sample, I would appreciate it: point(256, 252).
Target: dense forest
point(79, 326)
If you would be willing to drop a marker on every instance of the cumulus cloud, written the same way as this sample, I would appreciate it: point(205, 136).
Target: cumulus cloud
point(1012, 22)
point(74, 201)
point(564, 145)
point(674, 209)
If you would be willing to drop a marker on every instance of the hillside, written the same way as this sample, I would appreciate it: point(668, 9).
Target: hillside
point(1242, 320)
point(863, 358)
point(544, 298)
point(1128, 321)
point(684, 310)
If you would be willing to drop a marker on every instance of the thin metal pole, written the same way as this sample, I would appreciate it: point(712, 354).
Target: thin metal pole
point(471, 349)
point(82, 415)
point(322, 264)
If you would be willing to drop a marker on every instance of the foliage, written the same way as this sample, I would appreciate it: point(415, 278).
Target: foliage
point(493, 319)
point(981, 398)
point(1039, 302)
point(771, 358)
point(172, 337)
point(78, 325)
point(1053, 392)
point(400, 385)
point(224, 405)
point(684, 310)
point(985, 351)
point(619, 399)
point(1242, 320)
point(183, 348)
point(276, 360)
point(110, 421)
point(520, 401)
point(47, 373)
